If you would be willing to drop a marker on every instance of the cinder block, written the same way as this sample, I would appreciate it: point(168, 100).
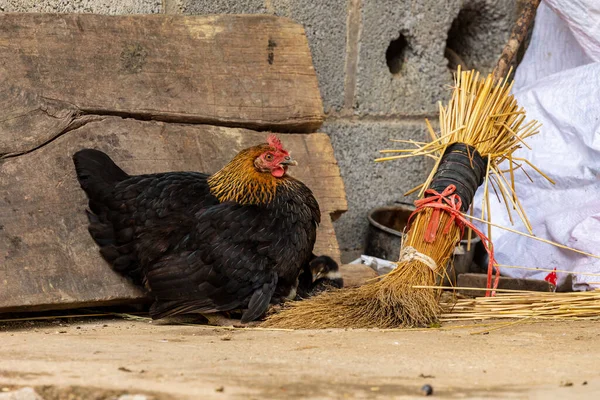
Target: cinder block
point(324, 22)
point(369, 184)
point(409, 77)
point(83, 6)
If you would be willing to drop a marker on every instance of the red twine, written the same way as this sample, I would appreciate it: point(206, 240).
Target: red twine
point(451, 203)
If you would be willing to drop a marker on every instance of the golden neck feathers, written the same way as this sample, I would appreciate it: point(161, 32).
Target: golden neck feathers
point(241, 182)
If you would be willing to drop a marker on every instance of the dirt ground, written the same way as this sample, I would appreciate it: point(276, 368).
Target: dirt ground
point(102, 358)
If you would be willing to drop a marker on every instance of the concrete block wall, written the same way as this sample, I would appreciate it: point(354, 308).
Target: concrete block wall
point(382, 67)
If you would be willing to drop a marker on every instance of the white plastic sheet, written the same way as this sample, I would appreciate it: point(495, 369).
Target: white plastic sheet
point(558, 84)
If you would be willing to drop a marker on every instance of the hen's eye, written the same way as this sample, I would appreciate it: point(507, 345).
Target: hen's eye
point(269, 157)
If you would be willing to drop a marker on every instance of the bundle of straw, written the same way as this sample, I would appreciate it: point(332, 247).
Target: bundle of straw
point(527, 305)
point(486, 120)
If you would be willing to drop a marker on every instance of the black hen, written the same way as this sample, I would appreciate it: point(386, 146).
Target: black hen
point(203, 244)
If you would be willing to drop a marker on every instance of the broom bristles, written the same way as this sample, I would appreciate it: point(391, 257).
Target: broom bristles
point(368, 306)
point(389, 302)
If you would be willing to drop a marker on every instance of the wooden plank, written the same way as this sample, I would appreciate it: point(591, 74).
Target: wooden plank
point(48, 260)
point(251, 71)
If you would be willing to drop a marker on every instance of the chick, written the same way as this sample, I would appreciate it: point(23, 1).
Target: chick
point(320, 274)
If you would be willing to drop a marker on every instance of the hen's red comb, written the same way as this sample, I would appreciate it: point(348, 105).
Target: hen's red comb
point(274, 141)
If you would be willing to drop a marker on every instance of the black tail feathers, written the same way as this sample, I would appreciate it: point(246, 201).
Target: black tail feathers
point(96, 172)
point(97, 175)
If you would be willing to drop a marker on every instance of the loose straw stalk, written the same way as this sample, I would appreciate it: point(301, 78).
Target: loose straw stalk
point(481, 114)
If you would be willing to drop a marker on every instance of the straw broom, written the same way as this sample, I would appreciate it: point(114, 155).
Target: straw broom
point(488, 126)
point(483, 116)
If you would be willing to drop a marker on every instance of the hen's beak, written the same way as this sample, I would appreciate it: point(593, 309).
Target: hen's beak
point(288, 161)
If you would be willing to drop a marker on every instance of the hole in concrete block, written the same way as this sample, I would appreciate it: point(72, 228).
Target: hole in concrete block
point(394, 56)
point(478, 34)
point(459, 38)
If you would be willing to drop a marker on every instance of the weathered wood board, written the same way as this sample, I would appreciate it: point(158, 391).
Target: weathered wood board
point(252, 71)
point(47, 258)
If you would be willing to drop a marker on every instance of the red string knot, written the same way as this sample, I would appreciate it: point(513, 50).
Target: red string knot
point(448, 201)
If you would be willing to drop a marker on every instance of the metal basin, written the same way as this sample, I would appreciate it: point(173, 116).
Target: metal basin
point(386, 225)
